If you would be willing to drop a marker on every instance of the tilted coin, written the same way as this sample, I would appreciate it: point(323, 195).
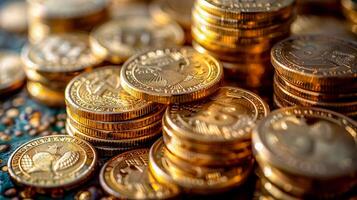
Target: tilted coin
point(317, 62)
point(52, 162)
point(309, 142)
point(225, 117)
point(45, 95)
point(99, 95)
point(12, 75)
point(127, 176)
point(171, 75)
point(119, 39)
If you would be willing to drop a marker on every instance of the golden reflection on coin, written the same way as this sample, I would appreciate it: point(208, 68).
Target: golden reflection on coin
point(63, 53)
point(12, 75)
point(309, 142)
point(52, 162)
point(45, 95)
point(13, 16)
point(171, 75)
point(98, 95)
point(127, 176)
point(227, 116)
point(119, 39)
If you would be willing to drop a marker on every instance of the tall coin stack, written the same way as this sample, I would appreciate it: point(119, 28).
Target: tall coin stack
point(241, 34)
point(53, 16)
point(306, 153)
point(316, 70)
point(53, 62)
point(349, 8)
point(102, 113)
point(206, 146)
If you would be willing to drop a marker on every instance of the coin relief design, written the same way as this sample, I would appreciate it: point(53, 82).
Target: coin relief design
point(250, 5)
point(127, 176)
point(229, 114)
point(55, 161)
point(11, 70)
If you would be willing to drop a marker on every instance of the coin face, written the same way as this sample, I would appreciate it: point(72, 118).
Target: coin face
point(52, 162)
point(60, 53)
point(316, 56)
point(171, 75)
point(228, 115)
point(119, 39)
point(11, 71)
point(127, 177)
point(98, 95)
point(308, 142)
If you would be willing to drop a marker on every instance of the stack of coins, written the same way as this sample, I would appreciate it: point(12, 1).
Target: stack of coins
point(349, 8)
point(12, 75)
point(165, 11)
point(206, 146)
point(306, 153)
point(117, 40)
point(102, 113)
point(241, 35)
point(53, 62)
point(316, 70)
point(53, 16)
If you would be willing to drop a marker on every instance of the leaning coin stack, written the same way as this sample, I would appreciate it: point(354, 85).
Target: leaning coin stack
point(206, 145)
point(102, 113)
point(306, 153)
point(318, 71)
point(241, 35)
point(53, 16)
point(53, 62)
point(349, 8)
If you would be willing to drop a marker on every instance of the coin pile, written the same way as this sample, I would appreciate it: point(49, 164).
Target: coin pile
point(349, 8)
point(102, 113)
point(53, 16)
point(306, 153)
point(12, 75)
point(53, 62)
point(206, 145)
point(241, 34)
point(318, 71)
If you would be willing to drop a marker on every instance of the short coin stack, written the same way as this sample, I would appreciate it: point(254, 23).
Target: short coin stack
point(206, 146)
point(306, 153)
point(318, 71)
point(53, 62)
point(102, 113)
point(350, 11)
point(241, 34)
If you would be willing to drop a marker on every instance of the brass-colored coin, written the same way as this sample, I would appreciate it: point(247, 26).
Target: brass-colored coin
point(117, 40)
point(52, 162)
point(308, 142)
point(165, 11)
point(45, 95)
point(171, 75)
point(135, 123)
point(127, 176)
point(317, 62)
point(98, 95)
point(204, 182)
point(227, 116)
point(62, 53)
point(122, 143)
point(12, 75)
point(13, 16)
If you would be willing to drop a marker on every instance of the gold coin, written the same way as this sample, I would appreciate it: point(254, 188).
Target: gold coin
point(117, 40)
point(127, 176)
point(165, 11)
point(45, 95)
point(208, 181)
point(313, 136)
point(274, 192)
point(62, 53)
point(227, 116)
point(108, 151)
point(12, 75)
point(52, 162)
point(317, 62)
point(98, 95)
point(13, 16)
point(155, 115)
point(171, 75)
